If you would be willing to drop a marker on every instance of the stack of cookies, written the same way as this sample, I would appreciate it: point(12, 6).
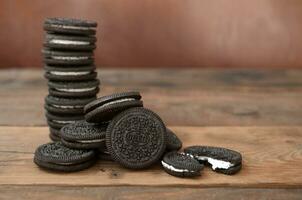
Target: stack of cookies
point(70, 70)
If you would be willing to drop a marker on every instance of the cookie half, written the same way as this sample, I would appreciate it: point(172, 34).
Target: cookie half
point(55, 156)
point(181, 165)
point(136, 138)
point(66, 105)
point(222, 160)
point(74, 89)
point(70, 42)
point(70, 26)
point(84, 135)
point(173, 142)
point(52, 57)
point(105, 108)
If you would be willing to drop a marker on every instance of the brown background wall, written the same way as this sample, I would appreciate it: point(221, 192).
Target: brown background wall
point(169, 33)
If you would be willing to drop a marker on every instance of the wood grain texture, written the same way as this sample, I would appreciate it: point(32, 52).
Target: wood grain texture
point(146, 193)
point(180, 97)
point(272, 158)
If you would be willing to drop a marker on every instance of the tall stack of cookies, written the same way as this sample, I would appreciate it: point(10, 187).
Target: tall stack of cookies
point(70, 70)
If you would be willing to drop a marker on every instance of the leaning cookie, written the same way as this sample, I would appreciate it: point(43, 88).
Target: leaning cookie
point(222, 160)
point(70, 26)
point(84, 135)
point(181, 165)
point(55, 156)
point(105, 108)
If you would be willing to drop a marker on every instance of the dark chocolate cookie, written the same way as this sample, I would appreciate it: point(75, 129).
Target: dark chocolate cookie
point(70, 26)
point(136, 138)
point(55, 156)
point(70, 42)
point(69, 58)
point(57, 121)
point(66, 105)
point(74, 89)
point(84, 135)
point(105, 108)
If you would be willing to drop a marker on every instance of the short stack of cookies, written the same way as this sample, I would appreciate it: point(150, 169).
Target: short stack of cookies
point(118, 128)
point(69, 69)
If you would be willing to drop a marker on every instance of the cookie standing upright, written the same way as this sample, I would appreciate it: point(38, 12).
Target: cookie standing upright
point(136, 138)
point(69, 68)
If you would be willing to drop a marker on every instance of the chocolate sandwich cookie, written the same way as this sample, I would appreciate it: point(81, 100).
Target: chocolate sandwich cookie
point(52, 57)
point(57, 121)
point(173, 142)
point(55, 156)
point(66, 105)
point(221, 159)
point(68, 42)
point(181, 165)
point(84, 135)
point(70, 73)
point(136, 138)
point(70, 26)
point(74, 89)
point(105, 108)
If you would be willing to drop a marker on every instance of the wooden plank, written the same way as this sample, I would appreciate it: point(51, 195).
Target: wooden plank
point(180, 97)
point(125, 192)
point(272, 158)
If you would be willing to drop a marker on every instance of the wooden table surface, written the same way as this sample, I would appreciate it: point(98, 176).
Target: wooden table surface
point(257, 112)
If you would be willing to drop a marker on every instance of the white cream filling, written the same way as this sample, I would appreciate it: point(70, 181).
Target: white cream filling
point(70, 57)
point(72, 42)
point(220, 164)
point(76, 89)
point(63, 122)
point(66, 107)
point(73, 27)
point(117, 101)
point(69, 73)
point(90, 141)
point(173, 168)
